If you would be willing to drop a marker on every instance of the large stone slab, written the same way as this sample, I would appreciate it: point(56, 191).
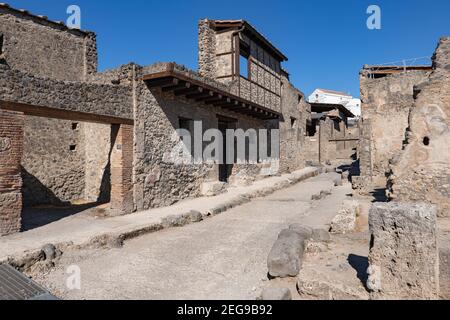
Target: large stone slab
point(403, 259)
point(285, 258)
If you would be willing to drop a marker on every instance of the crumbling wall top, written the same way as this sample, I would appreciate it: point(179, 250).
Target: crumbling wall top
point(43, 20)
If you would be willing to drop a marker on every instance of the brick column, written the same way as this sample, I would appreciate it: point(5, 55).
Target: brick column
point(11, 148)
point(122, 169)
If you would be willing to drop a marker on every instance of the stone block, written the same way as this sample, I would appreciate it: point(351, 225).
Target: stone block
point(320, 288)
point(345, 221)
point(403, 259)
point(302, 230)
point(286, 256)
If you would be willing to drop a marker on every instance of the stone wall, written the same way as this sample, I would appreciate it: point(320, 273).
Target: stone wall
point(386, 103)
point(44, 63)
point(292, 128)
point(98, 99)
point(98, 141)
point(65, 161)
point(53, 161)
point(327, 149)
point(206, 50)
point(44, 48)
point(311, 152)
point(157, 180)
point(53, 173)
point(11, 144)
point(421, 172)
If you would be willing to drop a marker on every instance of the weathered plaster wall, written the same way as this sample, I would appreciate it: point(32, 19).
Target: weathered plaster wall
point(386, 103)
point(43, 48)
point(421, 172)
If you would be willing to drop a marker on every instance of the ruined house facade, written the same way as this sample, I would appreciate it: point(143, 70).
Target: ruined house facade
point(387, 95)
point(404, 138)
point(405, 146)
point(69, 134)
point(421, 171)
point(329, 136)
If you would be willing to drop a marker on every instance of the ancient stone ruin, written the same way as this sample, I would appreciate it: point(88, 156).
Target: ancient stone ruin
point(92, 138)
point(403, 152)
point(74, 137)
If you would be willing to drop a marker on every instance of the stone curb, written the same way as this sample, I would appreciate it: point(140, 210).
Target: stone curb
point(116, 239)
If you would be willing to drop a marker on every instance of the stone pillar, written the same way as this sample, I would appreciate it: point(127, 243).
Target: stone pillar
point(122, 169)
point(403, 258)
point(363, 182)
point(11, 149)
point(365, 149)
point(206, 50)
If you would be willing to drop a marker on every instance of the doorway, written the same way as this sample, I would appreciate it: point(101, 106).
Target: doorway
point(225, 170)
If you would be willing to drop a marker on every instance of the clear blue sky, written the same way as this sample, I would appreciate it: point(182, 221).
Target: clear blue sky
point(326, 41)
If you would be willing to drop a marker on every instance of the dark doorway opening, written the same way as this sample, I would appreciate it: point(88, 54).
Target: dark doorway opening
point(225, 170)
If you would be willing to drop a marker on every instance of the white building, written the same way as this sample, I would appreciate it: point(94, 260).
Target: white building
point(336, 97)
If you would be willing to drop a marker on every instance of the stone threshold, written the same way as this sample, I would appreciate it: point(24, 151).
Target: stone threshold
point(25, 249)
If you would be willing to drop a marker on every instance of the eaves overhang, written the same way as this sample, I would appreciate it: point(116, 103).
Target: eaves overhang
point(182, 85)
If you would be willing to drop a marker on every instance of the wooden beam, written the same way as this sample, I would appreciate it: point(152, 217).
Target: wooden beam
point(58, 113)
point(162, 82)
point(180, 85)
point(233, 105)
point(225, 102)
point(216, 97)
point(207, 97)
point(187, 91)
point(210, 93)
point(206, 93)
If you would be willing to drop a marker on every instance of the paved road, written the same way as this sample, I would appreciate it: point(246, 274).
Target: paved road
point(223, 257)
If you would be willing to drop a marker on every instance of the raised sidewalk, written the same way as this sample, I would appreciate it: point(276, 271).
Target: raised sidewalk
point(85, 230)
